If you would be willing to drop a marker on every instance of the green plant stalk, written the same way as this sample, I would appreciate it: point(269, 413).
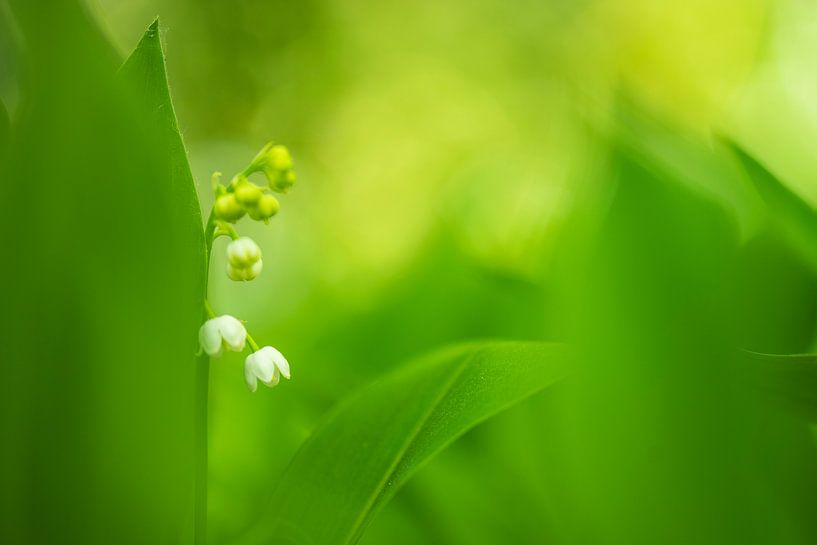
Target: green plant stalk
point(202, 395)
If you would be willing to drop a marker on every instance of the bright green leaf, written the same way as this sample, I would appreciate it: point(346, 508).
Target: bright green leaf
point(104, 296)
point(145, 75)
point(375, 440)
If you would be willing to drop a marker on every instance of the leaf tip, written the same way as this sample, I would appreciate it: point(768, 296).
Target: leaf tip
point(152, 33)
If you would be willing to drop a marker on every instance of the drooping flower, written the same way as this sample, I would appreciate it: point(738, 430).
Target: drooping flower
point(267, 365)
point(243, 259)
point(222, 332)
point(244, 274)
point(243, 252)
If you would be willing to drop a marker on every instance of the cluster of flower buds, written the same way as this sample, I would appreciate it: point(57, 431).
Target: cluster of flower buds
point(226, 332)
point(242, 196)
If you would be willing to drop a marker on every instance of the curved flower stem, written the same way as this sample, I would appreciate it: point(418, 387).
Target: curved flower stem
point(208, 310)
point(201, 401)
point(252, 343)
point(224, 229)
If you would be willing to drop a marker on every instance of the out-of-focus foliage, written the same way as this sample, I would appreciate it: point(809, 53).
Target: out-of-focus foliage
point(103, 280)
point(468, 170)
point(442, 148)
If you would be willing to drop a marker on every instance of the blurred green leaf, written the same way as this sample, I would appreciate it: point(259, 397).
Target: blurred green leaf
point(792, 378)
point(370, 444)
point(98, 377)
point(792, 217)
point(5, 128)
point(659, 443)
point(145, 74)
point(704, 167)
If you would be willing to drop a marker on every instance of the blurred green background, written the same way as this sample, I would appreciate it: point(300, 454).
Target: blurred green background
point(444, 152)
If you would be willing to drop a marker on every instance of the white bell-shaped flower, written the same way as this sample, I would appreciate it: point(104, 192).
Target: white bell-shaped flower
point(243, 252)
point(266, 365)
point(244, 274)
point(222, 332)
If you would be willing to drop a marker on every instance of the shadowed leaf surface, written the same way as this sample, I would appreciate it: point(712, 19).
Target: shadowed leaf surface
point(791, 378)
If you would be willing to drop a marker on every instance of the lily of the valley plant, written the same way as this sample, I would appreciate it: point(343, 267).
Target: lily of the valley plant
point(241, 197)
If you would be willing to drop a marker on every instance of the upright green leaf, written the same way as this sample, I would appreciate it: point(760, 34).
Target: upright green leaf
point(703, 167)
point(145, 76)
point(5, 128)
point(103, 300)
point(659, 441)
point(792, 217)
point(366, 448)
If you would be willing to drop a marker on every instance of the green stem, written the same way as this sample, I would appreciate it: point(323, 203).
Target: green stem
point(252, 343)
point(215, 181)
point(202, 395)
point(210, 313)
point(224, 229)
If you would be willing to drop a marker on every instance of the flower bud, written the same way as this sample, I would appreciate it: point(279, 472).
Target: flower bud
point(243, 252)
point(244, 274)
point(278, 158)
point(276, 163)
point(274, 156)
point(247, 193)
point(264, 209)
point(227, 208)
point(281, 181)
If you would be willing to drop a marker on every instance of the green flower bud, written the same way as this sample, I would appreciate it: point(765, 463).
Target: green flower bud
point(281, 181)
point(278, 158)
point(266, 207)
point(227, 208)
point(274, 156)
point(275, 162)
point(247, 193)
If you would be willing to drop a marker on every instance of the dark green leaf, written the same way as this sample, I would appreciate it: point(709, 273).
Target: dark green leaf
point(367, 448)
point(5, 128)
point(790, 378)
